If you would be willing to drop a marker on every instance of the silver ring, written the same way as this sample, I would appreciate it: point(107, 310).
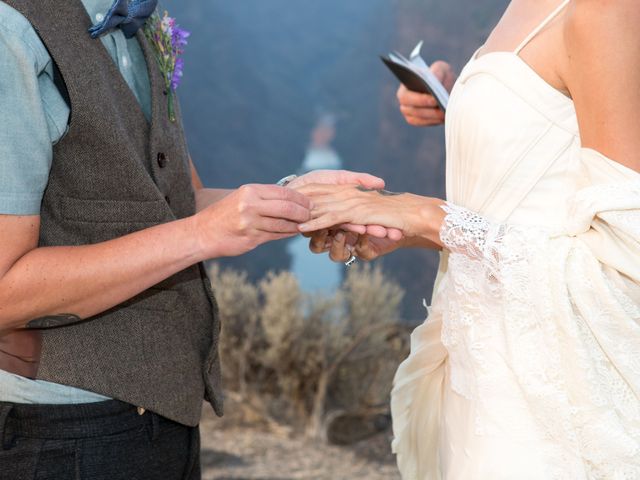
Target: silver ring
point(351, 261)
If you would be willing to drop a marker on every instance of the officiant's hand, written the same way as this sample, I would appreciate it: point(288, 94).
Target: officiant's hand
point(421, 109)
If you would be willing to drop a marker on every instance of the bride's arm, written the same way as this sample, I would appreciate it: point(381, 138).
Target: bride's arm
point(426, 222)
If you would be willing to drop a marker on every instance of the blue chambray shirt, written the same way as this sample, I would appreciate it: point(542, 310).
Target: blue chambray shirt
point(35, 115)
point(35, 118)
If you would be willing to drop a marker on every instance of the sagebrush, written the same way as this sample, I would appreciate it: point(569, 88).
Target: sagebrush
point(303, 362)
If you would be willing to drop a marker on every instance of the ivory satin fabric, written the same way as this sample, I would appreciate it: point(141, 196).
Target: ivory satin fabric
point(528, 365)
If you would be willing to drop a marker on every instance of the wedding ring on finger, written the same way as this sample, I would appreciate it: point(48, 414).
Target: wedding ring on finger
point(351, 261)
point(352, 258)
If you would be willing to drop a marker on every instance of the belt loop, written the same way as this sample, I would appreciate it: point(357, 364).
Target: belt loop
point(155, 426)
point(5, 440)
point(78, 459)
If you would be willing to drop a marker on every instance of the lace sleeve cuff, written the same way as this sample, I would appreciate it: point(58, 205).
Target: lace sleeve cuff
point(469, 233)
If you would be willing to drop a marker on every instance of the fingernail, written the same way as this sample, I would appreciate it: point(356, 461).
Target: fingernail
point(339, 236)
point(303, 227)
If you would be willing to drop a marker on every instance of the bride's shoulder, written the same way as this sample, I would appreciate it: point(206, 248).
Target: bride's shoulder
point(602, 41)
point(602, 73)
point(600, 23)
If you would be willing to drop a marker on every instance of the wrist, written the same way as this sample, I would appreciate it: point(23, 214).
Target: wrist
point(196, 245)
point(432, 216)
point(208, 196)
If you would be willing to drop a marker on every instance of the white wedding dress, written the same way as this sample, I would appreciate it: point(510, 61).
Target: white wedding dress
point(528, 366)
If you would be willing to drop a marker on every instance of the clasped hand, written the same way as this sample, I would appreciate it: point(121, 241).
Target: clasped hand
point(254, 214)
point(343, 212)
point(369, 222)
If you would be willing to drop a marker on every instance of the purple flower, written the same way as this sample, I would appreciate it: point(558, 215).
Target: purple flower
point(179, 38)
point(176, 77)
point(169, 40)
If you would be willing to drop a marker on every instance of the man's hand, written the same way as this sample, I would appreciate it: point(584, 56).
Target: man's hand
point(248, 217)
point(420, 109)
point(341, 245)
point(337, 177)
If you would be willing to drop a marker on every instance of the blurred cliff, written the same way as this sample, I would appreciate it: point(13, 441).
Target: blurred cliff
point(260, 73)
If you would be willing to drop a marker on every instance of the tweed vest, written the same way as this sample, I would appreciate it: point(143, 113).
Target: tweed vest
point(115, 173)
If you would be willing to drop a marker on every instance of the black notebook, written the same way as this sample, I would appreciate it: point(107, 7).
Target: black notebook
point(415, 74)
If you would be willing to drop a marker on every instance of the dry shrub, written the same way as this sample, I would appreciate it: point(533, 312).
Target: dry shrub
point(239, 305)
point(304, 362)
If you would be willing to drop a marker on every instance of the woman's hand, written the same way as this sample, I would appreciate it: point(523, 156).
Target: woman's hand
point(414, 215)
point(345, 177)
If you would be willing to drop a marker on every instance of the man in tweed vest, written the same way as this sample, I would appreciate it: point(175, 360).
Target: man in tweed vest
point(108, 327)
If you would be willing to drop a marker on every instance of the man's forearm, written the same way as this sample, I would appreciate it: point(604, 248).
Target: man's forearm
point(209, 196)
point(87, 280)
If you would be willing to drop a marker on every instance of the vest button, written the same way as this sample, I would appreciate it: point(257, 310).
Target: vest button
point(162, 160)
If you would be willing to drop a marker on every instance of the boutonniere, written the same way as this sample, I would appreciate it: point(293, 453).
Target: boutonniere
point(168, 40)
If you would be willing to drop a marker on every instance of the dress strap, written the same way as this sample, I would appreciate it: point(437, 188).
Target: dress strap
point(544, 23)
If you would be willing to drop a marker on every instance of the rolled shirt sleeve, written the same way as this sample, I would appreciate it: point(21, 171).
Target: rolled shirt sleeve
point(35, 115)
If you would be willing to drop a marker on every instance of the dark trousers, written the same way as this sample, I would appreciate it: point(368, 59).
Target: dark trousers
point(106, 440)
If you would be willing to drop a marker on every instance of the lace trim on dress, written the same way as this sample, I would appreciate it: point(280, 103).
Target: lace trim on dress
point(567, 337)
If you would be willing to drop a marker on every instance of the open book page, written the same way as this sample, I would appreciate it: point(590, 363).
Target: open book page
point(415, 74)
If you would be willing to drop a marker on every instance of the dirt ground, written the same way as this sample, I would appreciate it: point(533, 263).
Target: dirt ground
point(241, 453)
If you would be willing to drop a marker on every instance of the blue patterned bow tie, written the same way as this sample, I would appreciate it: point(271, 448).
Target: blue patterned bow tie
point(129, 16)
